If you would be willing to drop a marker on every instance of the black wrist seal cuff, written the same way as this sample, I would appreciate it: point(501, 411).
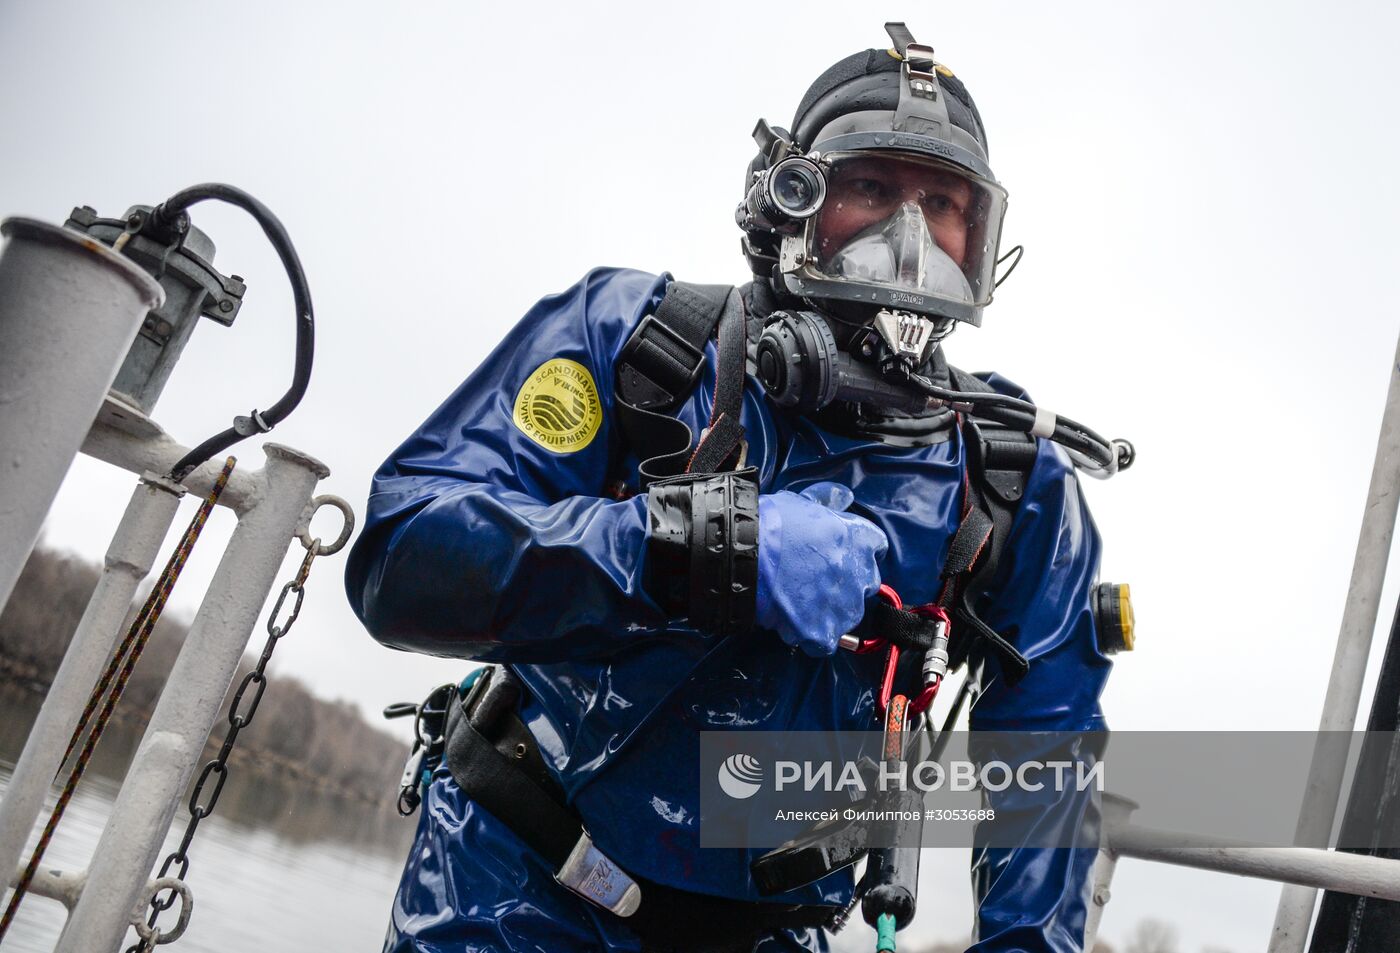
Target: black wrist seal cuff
point(702, 548)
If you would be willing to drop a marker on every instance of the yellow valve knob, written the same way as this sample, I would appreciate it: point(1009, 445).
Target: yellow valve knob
point(1113, 617)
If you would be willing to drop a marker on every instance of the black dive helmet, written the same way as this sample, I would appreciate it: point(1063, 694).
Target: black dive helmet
point(880, 213)
point(898, 112)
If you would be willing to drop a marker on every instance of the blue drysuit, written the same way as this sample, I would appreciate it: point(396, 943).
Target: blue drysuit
point(483, 543)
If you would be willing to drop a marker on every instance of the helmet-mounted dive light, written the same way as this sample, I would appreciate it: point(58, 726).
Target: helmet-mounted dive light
point(782, 196)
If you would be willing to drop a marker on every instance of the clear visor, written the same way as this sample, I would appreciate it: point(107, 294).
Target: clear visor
point(905, 223)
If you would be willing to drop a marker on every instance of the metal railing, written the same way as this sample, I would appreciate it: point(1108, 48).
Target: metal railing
point(70, 308)
point(1303, 871)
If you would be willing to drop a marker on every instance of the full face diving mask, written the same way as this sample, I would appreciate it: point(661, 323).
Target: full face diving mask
point(898, 231)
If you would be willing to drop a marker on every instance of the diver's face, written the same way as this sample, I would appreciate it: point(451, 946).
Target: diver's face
point(862, 192)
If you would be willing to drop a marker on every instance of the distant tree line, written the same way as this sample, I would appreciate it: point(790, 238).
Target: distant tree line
point(326, 744)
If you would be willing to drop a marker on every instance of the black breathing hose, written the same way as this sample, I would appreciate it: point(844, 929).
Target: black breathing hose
point(172, 215)
point(1021, 415)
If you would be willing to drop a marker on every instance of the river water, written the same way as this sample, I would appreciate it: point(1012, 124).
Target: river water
point(274, 869)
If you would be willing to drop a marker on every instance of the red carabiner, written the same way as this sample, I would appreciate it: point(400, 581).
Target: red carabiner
point(891, 656)
point(930, 689)
point(926, 697)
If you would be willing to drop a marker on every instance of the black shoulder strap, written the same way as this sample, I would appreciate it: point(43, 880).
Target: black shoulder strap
point(658, 368)
point(1000, 463)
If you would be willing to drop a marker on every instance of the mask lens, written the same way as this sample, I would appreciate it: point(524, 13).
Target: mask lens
point(901, 222)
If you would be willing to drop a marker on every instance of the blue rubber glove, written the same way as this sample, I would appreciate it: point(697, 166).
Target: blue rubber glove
point(816, 565)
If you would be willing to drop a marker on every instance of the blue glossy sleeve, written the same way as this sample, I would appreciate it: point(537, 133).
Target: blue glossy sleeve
point(1035, 898)
point(488, 534)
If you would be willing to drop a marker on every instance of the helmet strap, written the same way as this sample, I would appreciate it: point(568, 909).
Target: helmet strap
point(922, 109)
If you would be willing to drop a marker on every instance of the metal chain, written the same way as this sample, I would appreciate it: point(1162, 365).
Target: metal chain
point(240, 714)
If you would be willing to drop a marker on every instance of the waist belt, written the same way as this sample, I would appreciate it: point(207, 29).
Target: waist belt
point(494, 760)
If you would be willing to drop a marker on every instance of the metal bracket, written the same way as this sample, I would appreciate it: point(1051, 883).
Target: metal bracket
point(907, 334)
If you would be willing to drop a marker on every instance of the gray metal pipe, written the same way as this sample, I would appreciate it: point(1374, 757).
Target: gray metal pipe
point(58, 885)
point(69, 309)
point(127, 438)
point(1305, 867)
point(187, 709)
point(1339, 707)
point(1314, 868)
point(129, 559)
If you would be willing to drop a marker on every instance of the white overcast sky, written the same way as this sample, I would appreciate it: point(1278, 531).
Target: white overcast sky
point(1205, 192)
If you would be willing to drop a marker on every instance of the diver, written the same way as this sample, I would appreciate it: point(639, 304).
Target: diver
point(658, 507)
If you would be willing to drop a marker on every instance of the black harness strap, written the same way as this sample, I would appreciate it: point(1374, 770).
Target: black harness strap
point(906, 629)
point(718, 442)
point(658, 368)
point(1000, 461)
point(725, 434)
point(974, 532)
point(1014, 665)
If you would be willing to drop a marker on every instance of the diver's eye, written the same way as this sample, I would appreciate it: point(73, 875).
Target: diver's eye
point(939, 204)
point(871, 191)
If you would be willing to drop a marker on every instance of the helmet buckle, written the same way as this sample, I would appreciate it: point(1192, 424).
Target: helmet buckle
point(919, 71)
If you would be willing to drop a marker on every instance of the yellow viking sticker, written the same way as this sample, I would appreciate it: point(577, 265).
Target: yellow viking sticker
point(558, 406)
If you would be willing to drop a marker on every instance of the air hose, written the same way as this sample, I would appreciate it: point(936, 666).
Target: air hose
point(169, 222)
point(802, 367)
point(1088, 449)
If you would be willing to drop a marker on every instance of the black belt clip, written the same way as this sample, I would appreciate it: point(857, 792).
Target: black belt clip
point(492, 694)
point(429, 741)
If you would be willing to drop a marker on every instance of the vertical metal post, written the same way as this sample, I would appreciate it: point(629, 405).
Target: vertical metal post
point(1115, 811)
point(1102, 878)
point(129, 558)
point(190, 703)
point(69, 309)
point(1347, 923)
point(1339, 708)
